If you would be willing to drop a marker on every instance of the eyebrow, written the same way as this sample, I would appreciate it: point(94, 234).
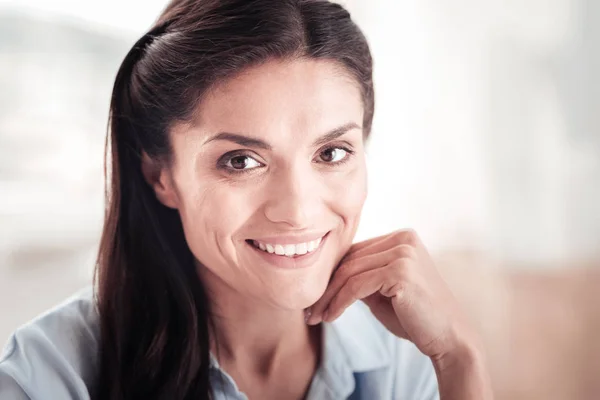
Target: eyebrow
point(248, 141)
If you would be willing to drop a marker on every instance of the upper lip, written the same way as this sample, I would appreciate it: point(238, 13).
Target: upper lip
point(291, 239)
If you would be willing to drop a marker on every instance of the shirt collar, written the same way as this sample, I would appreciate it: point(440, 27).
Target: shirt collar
point(359, 338)
point(352, 344)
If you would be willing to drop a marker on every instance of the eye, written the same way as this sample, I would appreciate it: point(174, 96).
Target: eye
point(240, 163)
point(335, 155)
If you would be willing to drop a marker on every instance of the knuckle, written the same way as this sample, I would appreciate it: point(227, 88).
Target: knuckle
point(397, 271)
point(408, 237)
point(398, 251)
point(404, 251)
point(402, 266)
point(401, 294)
point(393, 280)
point(394, 287)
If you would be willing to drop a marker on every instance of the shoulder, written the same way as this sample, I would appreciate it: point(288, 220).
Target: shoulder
point(370, 346)
point(54, 355)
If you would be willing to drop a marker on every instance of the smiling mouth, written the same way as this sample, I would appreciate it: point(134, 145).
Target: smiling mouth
point(288, 250)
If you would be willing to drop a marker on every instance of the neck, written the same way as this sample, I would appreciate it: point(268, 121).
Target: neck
point(251, 335)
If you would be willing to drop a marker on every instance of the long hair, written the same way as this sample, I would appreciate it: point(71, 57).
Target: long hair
point(154, 311)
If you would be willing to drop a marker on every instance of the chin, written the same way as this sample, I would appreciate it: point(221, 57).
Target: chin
point(300, 294)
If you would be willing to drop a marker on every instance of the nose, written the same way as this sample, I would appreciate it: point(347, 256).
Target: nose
point(294, 198)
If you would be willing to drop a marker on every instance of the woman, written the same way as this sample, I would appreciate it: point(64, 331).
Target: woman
point(226, 267)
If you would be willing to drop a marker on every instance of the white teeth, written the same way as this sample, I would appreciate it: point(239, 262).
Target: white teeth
point(279, 250)
point(289, 250)
point(301, 248)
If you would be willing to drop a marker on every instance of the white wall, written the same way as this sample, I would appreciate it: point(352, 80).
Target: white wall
point(486, 132)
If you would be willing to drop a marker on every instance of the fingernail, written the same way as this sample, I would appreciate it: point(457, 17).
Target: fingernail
point(307, 314)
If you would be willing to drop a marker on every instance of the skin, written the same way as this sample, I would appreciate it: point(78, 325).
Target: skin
point(289, 189)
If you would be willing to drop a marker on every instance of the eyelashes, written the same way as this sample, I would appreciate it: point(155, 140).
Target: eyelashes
point(237, 162)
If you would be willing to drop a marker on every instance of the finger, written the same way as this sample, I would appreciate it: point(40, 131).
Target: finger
point(399, 237)
point(379, 306)
point(349, 269)
point(387, 281)
point(356, 266)
point(365, 243)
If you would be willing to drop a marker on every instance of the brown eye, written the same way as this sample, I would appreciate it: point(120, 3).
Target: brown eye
point(333, 154)
point(239, 162)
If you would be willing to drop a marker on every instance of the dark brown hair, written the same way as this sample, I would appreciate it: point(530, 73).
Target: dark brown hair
point(154, 311)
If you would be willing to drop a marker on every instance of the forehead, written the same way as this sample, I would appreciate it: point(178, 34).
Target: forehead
point(297, 97)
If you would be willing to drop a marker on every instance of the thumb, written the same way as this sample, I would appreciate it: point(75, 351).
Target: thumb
point(374, 301)
point(382, 309)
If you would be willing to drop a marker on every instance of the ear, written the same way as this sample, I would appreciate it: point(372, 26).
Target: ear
point(160, 180)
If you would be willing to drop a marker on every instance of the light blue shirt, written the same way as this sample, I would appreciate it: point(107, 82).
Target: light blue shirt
point(55, 357)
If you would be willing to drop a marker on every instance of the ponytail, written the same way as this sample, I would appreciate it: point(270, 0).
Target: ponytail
point(154, 316)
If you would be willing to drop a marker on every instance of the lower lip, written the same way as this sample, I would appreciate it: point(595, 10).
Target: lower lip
point(296, 262)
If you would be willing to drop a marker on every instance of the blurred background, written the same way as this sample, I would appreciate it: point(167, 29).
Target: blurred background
point(486, 140)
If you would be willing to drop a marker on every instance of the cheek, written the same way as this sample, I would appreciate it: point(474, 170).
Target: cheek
point(356, 194)
point(350, 194)
point(211, 214)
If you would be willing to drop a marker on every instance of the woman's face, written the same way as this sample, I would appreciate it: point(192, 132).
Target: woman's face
point(275, 158)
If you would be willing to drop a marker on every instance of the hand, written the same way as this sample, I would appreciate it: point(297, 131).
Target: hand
point(397, 279)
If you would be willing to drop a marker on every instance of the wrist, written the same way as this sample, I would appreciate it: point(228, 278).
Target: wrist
point(461, 347)
point(465, 355)
point(462, 373)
